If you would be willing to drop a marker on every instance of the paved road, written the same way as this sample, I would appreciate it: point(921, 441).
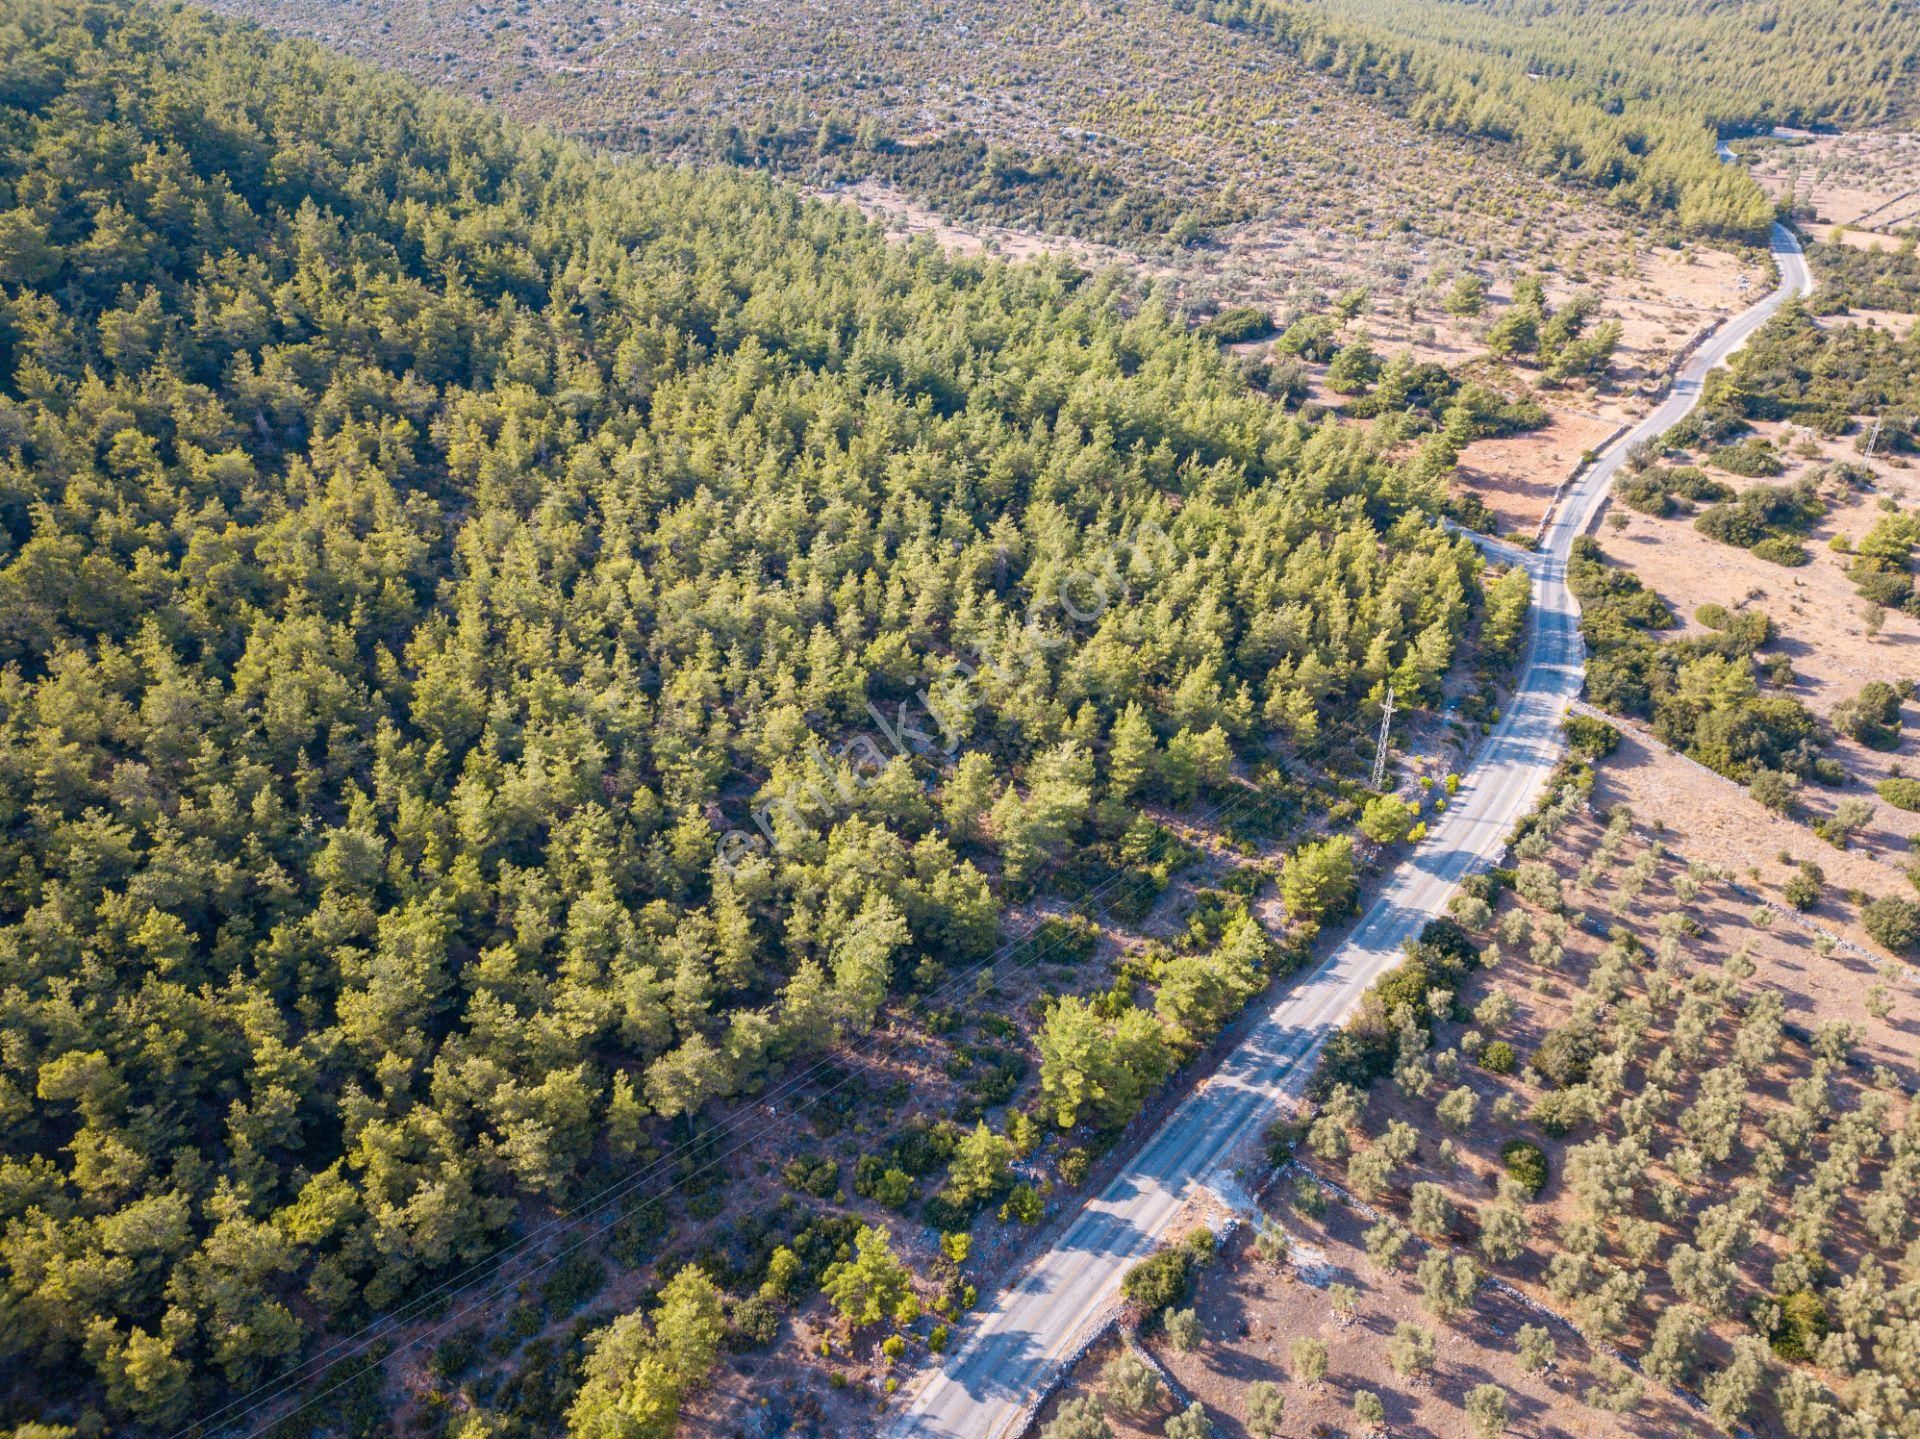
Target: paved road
point(1043, 1318)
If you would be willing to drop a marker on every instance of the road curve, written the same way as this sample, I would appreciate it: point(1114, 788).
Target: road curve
point(1036, 1325)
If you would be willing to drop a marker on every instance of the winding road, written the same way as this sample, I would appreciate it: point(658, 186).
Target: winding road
point(1028, 1333)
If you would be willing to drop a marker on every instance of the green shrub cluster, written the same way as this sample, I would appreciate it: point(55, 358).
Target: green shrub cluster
point(1767, 519)
point(1526, 1164)
point(1702, 695)
point(1662, 490)
point(1440, 959)
point(1881, 276)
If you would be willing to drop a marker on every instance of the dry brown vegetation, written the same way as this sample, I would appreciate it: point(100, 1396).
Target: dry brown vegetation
point(1834, 641)
point(1868, 180)
point(1305, 190)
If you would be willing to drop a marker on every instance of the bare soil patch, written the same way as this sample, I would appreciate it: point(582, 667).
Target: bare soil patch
point(1517, 477)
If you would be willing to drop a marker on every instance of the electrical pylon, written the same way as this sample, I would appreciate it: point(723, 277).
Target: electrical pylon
point(1380, 750)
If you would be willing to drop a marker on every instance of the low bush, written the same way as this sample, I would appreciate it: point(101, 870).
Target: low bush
point(1237, 324)
point(1782, 550)
point(756, 1323)
point(1165, 1277)
point(573, 1283)
point(1900, 793)
point(1893, 923)
point(1662, 492)
point(816, 1175)
point(1591, 738)
point(1871, 717)
point(1752, 457)
point(1802, 889)
point(1526, 1164)
point(1073, 1166)
point(1564, 1056)
point(881, 1182)
point(1557, 1114)
point(1801, 1326)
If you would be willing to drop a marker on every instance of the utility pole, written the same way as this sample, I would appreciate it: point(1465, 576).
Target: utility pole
point(1873, 437)
point(1380, 750)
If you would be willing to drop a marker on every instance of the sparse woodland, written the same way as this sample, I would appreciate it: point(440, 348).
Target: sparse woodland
point(1130, 133)
point(1601, 1089)
point(1632, 107)
point(1734, 1192)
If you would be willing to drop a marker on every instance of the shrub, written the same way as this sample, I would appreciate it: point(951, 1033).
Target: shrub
point(1782, 550)
point(1872, 717)
point(1158, 1281)
point(1900, 793)
point(1470, 913)
point(1526, 1164)
point(1591, 738)
point(1237, 324)
point(1312, 337)
point(1024, 1206)
point(1644, 492)
point(816, 1175)
point(1752, 457)
point(576, 1281)
point(1801, 1326)
point(1802, 890)
point(875, 1179)
point(1893, 923)
point(1565, 1055)
point(1073, 1166)
point(1557, 1113)
point(756, 1323)
point(1777, 790)
point(453, 1356)
point(1497, 1057)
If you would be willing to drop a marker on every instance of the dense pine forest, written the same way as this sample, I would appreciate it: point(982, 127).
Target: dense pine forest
point(506, 649)
point(1630, 103)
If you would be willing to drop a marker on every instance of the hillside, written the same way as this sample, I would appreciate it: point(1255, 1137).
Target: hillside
point(1625, 98)
point(513, 656)
point(1125, 133)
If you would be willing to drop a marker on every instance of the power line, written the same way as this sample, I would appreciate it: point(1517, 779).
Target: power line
point(353, 1346)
